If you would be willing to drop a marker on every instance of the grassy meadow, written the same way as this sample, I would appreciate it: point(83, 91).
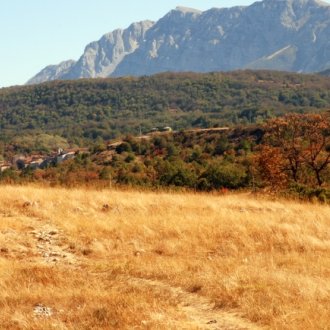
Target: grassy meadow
point(88, 259)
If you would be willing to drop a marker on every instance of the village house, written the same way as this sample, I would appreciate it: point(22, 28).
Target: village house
point(160, 130)
point(166, 129)
point(69, 154)
point(65, 156)
point(34, 164)
point(4, 166)
point(35, 161)
point(18, 162)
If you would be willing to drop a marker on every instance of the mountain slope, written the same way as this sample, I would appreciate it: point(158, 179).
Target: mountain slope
point(53, 72)
point(325, 73)
point(289, 35)
point(107, 108)
point(100, 58)
point(239, 37)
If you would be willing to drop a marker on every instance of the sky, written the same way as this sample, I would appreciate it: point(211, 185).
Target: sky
point(37, 33)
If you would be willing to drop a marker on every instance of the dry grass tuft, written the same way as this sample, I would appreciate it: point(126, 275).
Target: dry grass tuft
point(84, 259)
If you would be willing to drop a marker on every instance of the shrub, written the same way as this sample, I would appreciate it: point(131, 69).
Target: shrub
point(123, 147)
point(306, 192)
point(225, 175)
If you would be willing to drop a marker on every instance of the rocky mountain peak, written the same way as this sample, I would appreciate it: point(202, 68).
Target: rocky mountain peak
point(180, 14)
point(52, 72)
point(187, 10)
point(289, 35)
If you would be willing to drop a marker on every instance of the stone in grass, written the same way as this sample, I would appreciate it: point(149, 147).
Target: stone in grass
point(41, 310)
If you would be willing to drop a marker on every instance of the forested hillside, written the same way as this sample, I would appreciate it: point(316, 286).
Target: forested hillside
point(85, 110)
point(290, 154)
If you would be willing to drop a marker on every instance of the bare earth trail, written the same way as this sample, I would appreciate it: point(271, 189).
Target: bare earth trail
point(199, 312)
point(49, 247)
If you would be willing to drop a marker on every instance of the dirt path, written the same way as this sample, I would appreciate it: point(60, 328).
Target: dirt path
point(50, 246)
point(199, 311)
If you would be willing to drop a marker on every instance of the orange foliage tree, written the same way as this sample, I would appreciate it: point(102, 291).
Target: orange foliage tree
point(296, 147)
point(271, 164)
point(315, 151)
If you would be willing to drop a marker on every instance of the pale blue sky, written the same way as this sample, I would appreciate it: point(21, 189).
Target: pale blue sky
point(36, 33)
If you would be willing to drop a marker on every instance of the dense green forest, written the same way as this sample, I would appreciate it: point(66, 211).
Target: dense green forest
point(77, 112)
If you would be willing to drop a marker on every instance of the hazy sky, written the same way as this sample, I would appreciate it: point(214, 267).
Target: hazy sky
point(36, 33)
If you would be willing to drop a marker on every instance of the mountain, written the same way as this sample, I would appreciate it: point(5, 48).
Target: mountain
point(53, 72)
point(287, 35)
point(325, 73)
point(100, 58)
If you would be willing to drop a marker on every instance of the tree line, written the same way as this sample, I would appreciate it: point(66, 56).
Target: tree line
point(288, 154)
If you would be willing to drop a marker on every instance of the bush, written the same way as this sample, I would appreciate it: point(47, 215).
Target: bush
point(129, 158)
point(225, 175)
point(123, 147)
point(176, 174)
point(306, 192)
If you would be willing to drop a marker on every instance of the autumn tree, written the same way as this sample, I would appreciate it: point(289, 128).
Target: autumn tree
point(315, 151)
point(295, 145)
point(284, 136)
point(272, 164)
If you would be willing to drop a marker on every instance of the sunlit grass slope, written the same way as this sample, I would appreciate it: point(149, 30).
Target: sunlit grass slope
point(85, 259)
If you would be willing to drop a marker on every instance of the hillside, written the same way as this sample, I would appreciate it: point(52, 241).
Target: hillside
point(325, 73)
point(85, 259)
point(86, 110)
point(287, 35)
point(256, 157)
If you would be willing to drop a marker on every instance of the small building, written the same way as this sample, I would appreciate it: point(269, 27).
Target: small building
point(34, 161)
point(19, 162)
point(49, 161)
point(34, 164)
point(166, 129)
point(4, 166)
point(65, 156)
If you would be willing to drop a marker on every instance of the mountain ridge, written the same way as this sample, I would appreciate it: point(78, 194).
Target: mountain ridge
point(286, 35)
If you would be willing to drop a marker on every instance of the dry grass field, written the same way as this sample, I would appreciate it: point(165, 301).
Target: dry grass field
point(87, 259)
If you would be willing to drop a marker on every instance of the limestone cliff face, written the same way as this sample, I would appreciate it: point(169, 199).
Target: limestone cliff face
point(291, 35)
point(100, 58)
point(52, 72)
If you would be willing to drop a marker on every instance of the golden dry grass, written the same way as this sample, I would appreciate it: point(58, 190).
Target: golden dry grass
point(161, 261)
